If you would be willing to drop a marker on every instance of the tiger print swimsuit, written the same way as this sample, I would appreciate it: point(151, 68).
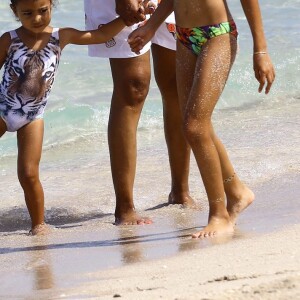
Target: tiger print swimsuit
point(27, 80)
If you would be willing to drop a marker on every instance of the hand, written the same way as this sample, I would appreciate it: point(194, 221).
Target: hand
point(149, 7)
point(264, 71)
point(139, 38)
point(131, 11)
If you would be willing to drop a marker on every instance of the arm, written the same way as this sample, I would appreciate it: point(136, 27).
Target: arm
point(141, 36)
point(4, 45)
point(103, 34)
point(130, 11)
point(262, 64)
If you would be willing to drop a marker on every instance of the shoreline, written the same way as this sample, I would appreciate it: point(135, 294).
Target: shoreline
point(94, 259)
point(242, 269)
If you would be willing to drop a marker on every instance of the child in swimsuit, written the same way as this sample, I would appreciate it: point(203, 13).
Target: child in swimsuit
point(206, 49)
point(30, 55)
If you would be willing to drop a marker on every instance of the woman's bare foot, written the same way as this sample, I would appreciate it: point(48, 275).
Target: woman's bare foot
point(238, 202)
point(40, 229)
point(182, 198)
point(216, 226)
point(131, 218)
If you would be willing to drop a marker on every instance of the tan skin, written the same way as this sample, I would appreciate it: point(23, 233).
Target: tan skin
point(201, 80)
point(199, 99)
point(164, 62)
point(131, 79)
point(35, 17)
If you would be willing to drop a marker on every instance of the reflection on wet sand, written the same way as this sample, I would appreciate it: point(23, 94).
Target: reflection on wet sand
point(170, 237)
point(75, 252)
point(41, 266)
point(131, 253)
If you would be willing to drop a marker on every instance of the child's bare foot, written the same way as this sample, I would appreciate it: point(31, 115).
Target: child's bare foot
point(131, 218)
point(40, 229)
point(216, 226)
point(238, 202)
point(182, 198)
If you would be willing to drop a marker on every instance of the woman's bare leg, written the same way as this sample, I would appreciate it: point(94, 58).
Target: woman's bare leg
point(30, 140)
point(131, 77)
point(164, 61)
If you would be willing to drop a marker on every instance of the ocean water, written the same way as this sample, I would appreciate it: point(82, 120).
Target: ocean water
point(260, 132)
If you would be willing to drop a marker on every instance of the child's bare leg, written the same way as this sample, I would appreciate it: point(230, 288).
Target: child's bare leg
point(164, 61)
point(238, 195)
point(131, 77)
point(208, 72)
point(30, 139)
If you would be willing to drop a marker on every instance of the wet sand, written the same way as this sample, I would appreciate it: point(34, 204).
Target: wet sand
point(96, 260)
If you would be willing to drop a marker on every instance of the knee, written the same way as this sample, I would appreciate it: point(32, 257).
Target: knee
point(28, 174)
point(134, 90)
point(196, 132)
point(138, 90)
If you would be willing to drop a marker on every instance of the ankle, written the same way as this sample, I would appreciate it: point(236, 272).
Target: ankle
point(218, 210)
point(220, 215)
point(124, 209)
point(233, 188)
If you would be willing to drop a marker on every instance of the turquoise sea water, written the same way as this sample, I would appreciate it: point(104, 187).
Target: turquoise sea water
point(260, 132)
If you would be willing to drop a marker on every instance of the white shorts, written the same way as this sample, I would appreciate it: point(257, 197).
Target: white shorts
point(99, 12)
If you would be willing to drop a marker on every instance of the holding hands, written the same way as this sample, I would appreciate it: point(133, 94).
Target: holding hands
point(262, 64)
point(134, 11)
point(140, 37)
point(148, 7)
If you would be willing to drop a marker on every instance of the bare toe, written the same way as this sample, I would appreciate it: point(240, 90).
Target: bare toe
point(132, 219)
point(215, 226)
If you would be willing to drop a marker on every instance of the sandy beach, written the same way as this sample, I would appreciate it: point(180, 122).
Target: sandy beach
point(97, 260)
point(87, 257)
point(265, 267)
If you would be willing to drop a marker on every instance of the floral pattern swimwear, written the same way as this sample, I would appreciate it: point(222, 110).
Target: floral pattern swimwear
point(195, 38)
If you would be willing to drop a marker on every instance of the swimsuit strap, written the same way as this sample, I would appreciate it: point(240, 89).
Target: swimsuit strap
point(13, 34)
point(55, 33)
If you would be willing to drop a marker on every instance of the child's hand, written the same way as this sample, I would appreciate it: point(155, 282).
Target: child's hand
point(139, 38)
point(264, 71)
point(149, 7)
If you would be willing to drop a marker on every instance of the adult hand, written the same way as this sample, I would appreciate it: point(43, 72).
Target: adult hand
point(131, 11)
point(264, 71)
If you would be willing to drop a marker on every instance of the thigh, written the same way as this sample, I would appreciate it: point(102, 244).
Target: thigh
point(185, 69)
point(164, 63)
point(30, 141)
point(210, 75)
